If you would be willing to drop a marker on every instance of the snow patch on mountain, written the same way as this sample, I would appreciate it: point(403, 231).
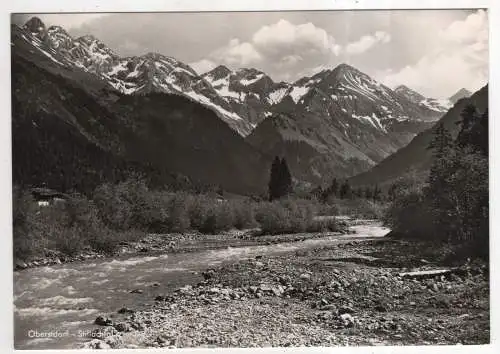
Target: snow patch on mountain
point(297, 92)
point(276, 96)
point(246, 82)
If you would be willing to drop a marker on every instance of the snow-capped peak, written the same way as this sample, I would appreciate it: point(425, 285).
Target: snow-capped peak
point(462, 93)
point(436, 105)
point(35, 26)
point(409, 93)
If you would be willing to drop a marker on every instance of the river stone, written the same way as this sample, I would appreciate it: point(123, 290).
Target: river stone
point(305, 276)
point(21, 264)
point(102, 345)
point(347, 320)
point(125, 310)
point(101, 321)
point(346, 309)
point(330, 307)
point(381, 308)
point(122, 327)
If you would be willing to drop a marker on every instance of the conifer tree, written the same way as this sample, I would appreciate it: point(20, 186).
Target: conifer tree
point(280, 182)
point(274, 181)
point(285, 178)
point(345, 190)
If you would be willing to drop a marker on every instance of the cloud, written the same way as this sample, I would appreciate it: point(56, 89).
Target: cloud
point(237, 53)
point(202, 66)
point(283, 37)
point(280, 47)
point(460, 59)
point(471, 30)
point(367, 42)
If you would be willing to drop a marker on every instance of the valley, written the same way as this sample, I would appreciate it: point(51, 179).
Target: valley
point(340, 121)
point(291, 187)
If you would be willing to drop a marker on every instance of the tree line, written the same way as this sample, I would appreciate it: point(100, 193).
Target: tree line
point(453, 203)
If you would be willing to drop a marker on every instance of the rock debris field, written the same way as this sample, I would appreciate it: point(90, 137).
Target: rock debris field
point(345, 294)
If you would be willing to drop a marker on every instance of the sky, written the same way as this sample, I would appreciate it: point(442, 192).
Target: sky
point(435, 52)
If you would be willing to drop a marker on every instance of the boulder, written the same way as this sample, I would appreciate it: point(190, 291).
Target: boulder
point(125, 310)
point(347, 320)
point(102, 321)
point(122, 327)
point(346, 310)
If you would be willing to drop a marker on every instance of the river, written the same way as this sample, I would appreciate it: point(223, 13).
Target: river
point(55, 306)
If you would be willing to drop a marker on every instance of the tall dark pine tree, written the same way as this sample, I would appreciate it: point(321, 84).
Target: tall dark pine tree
point(438, 190)
point(275, 179)
point(441, 146)
point(345, 190)
point(286, 178)
point(334, 187)
point(280, 182)
point(469, 117)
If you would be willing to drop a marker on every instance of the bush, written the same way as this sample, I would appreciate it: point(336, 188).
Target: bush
point(68, 228)
point(197, 211)
point(114, 210)
point(218, 218)
point(125, 205)
point(24, 241)
point(178, 216)
point(273, 218)
point(243, 214)
point(286, 216)
point(324, 225)
point(409, 216)
point(360, 208)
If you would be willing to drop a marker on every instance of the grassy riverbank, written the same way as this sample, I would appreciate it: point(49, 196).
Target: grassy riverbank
point(116, 215)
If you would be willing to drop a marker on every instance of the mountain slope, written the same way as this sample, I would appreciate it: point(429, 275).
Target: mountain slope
point(462, 93)
point(151, 72)
point(72, 130)
point(438, 106)
point(250, 92)
point(337, 123)
point(416, 156)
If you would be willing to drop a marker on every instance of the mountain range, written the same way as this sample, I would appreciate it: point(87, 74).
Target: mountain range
point(153, 112)
point(415, 158)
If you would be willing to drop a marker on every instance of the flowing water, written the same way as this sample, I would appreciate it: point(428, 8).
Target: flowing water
point(55, 306)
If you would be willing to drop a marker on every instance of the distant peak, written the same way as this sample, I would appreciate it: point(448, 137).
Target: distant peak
point(35, 25)
point(220, 70)
point(88, 38)
point(345, 66)
point(402, 88)
point(409, 93)
point(462, 93)
point(56, 29)
point(249, 71)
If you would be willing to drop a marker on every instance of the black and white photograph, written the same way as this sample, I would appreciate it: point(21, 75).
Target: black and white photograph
point(249, 179)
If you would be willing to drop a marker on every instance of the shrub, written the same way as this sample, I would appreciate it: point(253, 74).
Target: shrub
point(125, 205)
point(243, 214)
point(324, 225)
point(360, 208)
point(114, 210)
point(198, 210)
point(273, 218)
point(67, 228)
point(24, 241)
point(178, 217)
point(409, 216)
point(301, 213)
point(218, 218)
